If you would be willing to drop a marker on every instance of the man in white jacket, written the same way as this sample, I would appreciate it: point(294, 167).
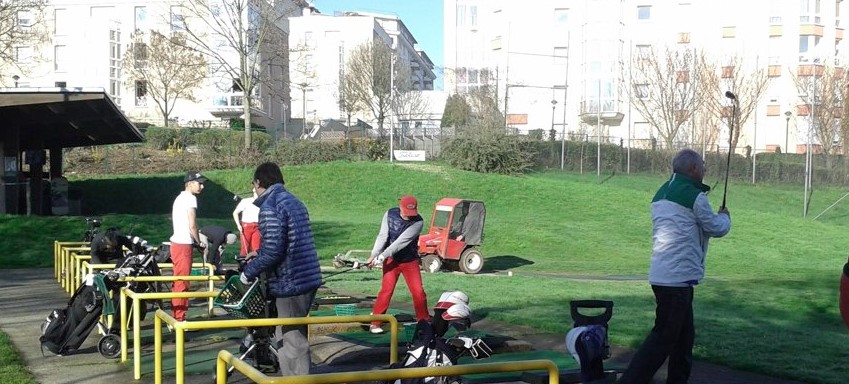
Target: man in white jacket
point(683, 222)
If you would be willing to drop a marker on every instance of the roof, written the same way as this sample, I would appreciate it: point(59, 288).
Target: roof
point(65, 117)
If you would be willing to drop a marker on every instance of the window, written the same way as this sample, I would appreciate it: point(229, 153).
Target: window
point(473, 16)
point(644, 51)
point(308, 40)
point(23, 55)
point(461, 15)
point(25, 19)
point(141, 93)
point(643, 12)
point(561, 55)
point(774, 12)
point(810, 11)
point(59, 55)
point(141, 18)
point(178, 21)
point(808, 47)
point(60, 22)
point(140, 54)
point(561, 17)
point(642, 91)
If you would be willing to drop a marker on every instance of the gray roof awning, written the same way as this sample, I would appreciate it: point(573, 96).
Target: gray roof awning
point(64, 118)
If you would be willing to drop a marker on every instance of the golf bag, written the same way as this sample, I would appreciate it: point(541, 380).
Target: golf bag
point(427, 350)
point(844, 294)
point(587, 340)
point(65, 329)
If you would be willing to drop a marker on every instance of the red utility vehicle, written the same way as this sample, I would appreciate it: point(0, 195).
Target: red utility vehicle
point(456, 231)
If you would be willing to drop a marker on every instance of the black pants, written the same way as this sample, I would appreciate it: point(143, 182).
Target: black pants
point(672, 336)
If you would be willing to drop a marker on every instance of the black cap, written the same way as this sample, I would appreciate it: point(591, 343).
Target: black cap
point(194, 176)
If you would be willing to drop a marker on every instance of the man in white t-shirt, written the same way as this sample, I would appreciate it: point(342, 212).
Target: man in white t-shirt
point(247, 224)
point(183, 216)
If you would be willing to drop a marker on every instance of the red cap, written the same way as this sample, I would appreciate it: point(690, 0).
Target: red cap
point(409, 205)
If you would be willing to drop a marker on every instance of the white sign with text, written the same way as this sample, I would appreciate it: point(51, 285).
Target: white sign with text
point(409, 155)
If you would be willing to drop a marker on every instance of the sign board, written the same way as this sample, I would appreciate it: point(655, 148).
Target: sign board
point(409, 155)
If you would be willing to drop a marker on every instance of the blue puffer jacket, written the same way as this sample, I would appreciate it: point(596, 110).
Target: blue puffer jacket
point(287, 251)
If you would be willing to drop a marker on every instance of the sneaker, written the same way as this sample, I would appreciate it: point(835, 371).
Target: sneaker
point(375, 329)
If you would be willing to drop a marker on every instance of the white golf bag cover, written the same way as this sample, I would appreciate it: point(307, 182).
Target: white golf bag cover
point(586, 344)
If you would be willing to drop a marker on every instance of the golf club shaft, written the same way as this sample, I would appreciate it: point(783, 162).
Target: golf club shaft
point(730, 142)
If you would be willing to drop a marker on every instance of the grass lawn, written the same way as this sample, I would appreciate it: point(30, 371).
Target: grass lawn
point(768, 304)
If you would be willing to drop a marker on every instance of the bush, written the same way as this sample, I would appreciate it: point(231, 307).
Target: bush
point(490, 150)
point(159, 138)
point(299, 152)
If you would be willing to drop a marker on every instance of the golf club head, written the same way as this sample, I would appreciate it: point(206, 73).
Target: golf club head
point(237, 198)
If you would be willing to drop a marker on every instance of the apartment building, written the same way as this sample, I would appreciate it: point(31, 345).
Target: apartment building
point(86, 45)
point(320, 46)
point(566, 65)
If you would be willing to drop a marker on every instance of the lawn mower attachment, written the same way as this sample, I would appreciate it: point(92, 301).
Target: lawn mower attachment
point(346, 261)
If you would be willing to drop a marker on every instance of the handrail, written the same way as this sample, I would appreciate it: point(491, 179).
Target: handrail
point(181, 326)
point(225, 357)
point(137, 302)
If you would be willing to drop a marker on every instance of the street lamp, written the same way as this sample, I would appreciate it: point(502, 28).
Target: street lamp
point(787, 130)
point(16, 77)
point(553, 105)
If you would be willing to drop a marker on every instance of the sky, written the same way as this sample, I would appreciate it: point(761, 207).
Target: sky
point(422, 17)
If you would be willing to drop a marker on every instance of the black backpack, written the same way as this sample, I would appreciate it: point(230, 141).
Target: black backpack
point(65, 329)
point(427, 350)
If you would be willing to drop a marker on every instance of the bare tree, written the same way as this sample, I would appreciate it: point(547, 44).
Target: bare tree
point(664, 90)
point(243, 39)
point(408, 104)
point(304, 77)
point(163, 68)
point(821, 90)
point(368, 73)
point(748, 82)
point(347, 102)
point(22, 29)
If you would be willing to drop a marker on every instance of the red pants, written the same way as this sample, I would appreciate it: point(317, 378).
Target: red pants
point(250, 238)
point(181, 256)
point(413, 278)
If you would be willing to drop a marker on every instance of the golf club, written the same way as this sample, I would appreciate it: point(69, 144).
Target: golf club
point(357, 265)
point(733, 98)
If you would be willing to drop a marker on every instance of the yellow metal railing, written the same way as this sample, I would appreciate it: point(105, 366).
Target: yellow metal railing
point(181, 326)
point(225, 358)
point(57, 254)
point(65, 264)
point(137, 302)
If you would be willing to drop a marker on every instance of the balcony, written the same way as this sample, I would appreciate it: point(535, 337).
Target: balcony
point(231, 104)
point(608, 115)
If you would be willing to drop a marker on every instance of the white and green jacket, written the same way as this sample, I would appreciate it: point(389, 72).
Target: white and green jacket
point(683, 221)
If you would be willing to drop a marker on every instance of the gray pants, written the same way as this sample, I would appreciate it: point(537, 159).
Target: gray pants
point(293, 350)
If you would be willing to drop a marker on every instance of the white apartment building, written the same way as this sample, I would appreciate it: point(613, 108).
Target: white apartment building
point(564, 64)
point(320, 45)
point(86, 45)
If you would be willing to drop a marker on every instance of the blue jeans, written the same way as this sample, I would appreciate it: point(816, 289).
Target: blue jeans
point(672, 337)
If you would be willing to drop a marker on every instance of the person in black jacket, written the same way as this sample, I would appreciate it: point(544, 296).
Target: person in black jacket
point(108, 246)
point(397, 249)
point(215, 237)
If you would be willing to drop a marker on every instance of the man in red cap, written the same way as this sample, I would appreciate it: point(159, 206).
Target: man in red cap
point(396, 248)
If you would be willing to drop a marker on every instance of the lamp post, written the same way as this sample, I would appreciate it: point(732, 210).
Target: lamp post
point(553, 105)
point(787, 131)
point(16, 77)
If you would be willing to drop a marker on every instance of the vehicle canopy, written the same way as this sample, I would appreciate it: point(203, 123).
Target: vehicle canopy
point(466, 216)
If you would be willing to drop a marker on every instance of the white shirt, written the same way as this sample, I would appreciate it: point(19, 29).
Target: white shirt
point(250, 212)
point(180, 217)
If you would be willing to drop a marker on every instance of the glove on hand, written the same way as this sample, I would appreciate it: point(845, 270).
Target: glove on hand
point(244, 279)
point(379, 259)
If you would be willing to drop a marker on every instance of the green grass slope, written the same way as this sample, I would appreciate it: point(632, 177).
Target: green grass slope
point(768, 304)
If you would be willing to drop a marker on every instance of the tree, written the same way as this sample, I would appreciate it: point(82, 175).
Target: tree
point(368, 73)
point(22, 26)
point(304, 77)
point(748, 82)
point(164, 68)
point(821, 91)
point(664, 91)
point(457, 111)
point(347, 102)
point(244, 40)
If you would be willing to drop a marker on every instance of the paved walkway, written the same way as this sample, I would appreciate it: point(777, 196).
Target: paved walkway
point(28, 295)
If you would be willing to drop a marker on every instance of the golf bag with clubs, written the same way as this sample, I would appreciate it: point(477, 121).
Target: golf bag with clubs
point(429, 348)
point(65, 329)
point(587, 340)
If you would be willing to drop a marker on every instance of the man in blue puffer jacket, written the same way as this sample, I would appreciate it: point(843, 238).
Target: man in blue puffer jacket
point(288, 257)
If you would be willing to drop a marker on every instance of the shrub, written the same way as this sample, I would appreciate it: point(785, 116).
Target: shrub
point(485, 149)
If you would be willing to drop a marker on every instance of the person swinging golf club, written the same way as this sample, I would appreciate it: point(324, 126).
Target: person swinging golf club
point(396, 248)
point(683, 222)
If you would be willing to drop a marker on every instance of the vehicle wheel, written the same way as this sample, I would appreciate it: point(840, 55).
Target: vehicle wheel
point(471, 261)
point(109, 346)
point(431, 263)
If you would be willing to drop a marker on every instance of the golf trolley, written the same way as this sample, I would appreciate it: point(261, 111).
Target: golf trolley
point(249, 302)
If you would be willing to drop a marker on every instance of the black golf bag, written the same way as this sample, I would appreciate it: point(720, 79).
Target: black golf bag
point(65, 329)
point(427, 350)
